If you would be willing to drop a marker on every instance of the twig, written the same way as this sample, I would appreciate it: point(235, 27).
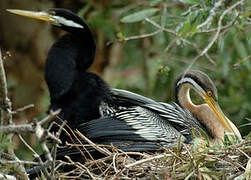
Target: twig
point(50, 117)
point(212, 14)
point(5, 105)
point(18, 162)
point(54, 148)
point(23, 108)
point(137, 163)
point(146, 160)
point(103, 151)
point(247, 174)
point(20, 128)
point(206, 49)
point(114, 162)
point(77, 147)
point(28, 146)
point(161, 28)
point(41, 134)
point(179, 37)
point(142, 36)
point(236, 65)
point(81, 166)
point(223, 27)
point(72, 140)
point(36, 155)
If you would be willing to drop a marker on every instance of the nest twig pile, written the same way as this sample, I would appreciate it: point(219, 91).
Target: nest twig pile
point(194, 161)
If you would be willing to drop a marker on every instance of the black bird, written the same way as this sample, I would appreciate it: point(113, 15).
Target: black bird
point(127, 120)
point(74, 90)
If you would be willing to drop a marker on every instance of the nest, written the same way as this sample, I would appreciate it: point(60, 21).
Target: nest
point(193, 161)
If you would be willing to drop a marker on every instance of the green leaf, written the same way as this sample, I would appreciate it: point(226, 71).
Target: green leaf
point(185, 167)
point(139, 16)
point(155, 2)
point(164, 16)
point(190, 1)
point(121, 36)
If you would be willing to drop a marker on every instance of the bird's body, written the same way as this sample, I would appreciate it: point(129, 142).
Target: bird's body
point(111, 116)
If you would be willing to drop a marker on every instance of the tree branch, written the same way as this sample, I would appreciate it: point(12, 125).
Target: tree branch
point(212, 14)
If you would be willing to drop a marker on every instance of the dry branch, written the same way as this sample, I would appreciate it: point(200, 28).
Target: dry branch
point(6, 109)
point(216, 36)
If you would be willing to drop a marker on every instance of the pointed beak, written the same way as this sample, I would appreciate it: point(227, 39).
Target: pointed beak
point(218, 112)
point(43, 16)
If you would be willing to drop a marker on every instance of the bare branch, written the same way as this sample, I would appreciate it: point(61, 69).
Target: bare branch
point(81, 166)
point(33, 128)
point(206, 49)
point(23, 108)
point(5, 105)
point(147, 160)
point(40, 162)
point(223, 27)
point(142, 36)
point(178, 36)
point(103, 151)
point(212, 14)
point(21, 128)
point(54, 148)
point(18, 162)
point(4, 100)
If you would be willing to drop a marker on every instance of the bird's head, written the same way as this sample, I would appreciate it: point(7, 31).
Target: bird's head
point(206, 89)
point(61, 18)
point(72, 54)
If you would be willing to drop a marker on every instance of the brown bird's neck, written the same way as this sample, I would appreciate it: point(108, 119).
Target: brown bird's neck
point(202, 112)
point(183, 97)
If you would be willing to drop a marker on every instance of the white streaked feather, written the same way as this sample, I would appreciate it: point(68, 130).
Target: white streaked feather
point(66, 22)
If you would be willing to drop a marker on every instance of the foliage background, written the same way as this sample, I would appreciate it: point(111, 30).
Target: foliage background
point(147, 66)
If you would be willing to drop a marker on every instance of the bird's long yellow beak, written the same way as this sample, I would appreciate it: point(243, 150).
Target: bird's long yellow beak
point(43, 16)
point(218, 112)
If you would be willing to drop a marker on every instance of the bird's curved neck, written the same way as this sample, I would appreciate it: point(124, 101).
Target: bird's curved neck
point(202, 112)
point(84, 46)
point(79, 44)
point(182, 96)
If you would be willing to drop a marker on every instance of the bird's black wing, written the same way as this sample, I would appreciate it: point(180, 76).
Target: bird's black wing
point(134, 129)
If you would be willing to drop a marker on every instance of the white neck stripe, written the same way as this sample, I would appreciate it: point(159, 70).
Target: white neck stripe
point(62, 21)
point(189, 80)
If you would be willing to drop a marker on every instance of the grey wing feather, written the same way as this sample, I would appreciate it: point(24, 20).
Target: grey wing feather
point(148, 124)
point(130, 97)
point(180, 118)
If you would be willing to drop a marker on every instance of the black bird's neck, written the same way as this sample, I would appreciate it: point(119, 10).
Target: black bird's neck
point(74, 90)
point(71, 54)
point(83, 46)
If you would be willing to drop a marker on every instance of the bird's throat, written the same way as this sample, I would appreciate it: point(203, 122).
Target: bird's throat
point(183, 98)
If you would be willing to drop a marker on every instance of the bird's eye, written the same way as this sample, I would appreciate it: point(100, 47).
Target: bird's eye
point(209, 93)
